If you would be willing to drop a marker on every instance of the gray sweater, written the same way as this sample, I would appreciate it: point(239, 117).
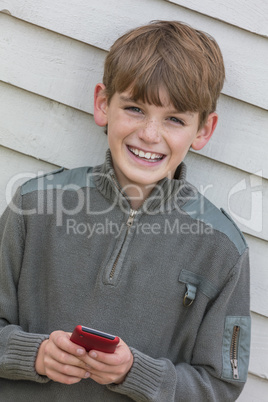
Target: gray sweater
point(171, 279)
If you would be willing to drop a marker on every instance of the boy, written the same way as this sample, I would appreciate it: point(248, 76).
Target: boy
point(130, 247)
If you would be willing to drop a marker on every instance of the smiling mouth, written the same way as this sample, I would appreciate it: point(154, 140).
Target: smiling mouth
point(147, 156)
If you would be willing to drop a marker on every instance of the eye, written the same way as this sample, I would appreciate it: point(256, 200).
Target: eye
point(176, 120)
point(134, 109)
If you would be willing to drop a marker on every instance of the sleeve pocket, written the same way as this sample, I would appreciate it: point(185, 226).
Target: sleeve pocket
point(236, 348)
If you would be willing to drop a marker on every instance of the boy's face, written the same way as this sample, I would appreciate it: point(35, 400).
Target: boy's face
point(148, 142)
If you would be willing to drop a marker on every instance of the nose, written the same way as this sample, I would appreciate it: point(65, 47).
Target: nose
point(150, 132)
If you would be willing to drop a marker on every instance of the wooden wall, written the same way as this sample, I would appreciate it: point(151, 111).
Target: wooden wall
point(52, 54)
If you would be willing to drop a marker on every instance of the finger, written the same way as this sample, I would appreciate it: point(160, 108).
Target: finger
point(121, 355)
point(65, 373)
point(54, 353)
point(102, 380)
point(110, 368)
point(108, 377)
point(56, 358)
point(62, 367)
point(58, 376)
point(62, 341)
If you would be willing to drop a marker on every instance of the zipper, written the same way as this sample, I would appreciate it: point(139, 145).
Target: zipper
point(234, 352)
point(131, 217)
point(129, 223)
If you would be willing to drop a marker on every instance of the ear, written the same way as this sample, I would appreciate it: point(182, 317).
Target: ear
point(205, 133)
point(100, 105)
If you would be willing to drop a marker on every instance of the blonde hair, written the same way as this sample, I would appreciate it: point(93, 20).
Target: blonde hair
point(170, 55)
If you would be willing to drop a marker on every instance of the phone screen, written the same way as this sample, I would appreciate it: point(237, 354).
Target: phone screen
point(98, 333)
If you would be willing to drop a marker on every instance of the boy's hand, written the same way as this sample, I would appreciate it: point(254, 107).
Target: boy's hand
point(108, 368)
point(60, 359)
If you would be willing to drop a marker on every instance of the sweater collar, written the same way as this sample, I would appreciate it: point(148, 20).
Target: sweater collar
point(167, 194)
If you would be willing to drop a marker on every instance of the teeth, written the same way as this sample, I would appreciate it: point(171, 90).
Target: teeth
point(147, 155)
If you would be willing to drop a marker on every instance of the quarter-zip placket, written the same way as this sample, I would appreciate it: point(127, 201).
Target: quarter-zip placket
point(129, 223)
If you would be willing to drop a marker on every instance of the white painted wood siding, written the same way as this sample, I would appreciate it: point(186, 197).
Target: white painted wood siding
point(52, 54)
point(246, 78)
point(249, 15)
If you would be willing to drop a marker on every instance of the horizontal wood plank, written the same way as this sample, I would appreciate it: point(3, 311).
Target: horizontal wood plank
point(258, 365)
point(240, 139)
point(48, 130)
point(243, 196)
point(244, 53)
point(49, 64)
point(15, 169)
point(256, 390)
point(250, 15)
point(258, 254)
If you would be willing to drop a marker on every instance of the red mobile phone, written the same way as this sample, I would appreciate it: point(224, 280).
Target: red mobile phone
point(92, 339)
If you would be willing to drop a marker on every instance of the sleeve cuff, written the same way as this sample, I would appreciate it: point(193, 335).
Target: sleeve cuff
point(20, 360)
point(148, 379)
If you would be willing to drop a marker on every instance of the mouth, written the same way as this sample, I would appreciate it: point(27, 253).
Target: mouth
point(146, 156)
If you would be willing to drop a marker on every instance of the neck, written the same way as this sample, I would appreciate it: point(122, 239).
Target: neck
point(138, 194)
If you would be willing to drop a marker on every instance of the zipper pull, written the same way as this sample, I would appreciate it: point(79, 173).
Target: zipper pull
point(234, 364)
point(131, 217)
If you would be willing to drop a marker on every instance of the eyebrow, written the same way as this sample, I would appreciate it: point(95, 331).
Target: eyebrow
point(127, 99)
point(174, 111)
point(190, 114)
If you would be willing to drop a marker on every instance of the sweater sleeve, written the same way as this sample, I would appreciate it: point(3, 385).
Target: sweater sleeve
point(18, 349)
point(210, 375)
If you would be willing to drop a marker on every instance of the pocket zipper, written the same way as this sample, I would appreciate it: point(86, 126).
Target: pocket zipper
point(234, 352)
